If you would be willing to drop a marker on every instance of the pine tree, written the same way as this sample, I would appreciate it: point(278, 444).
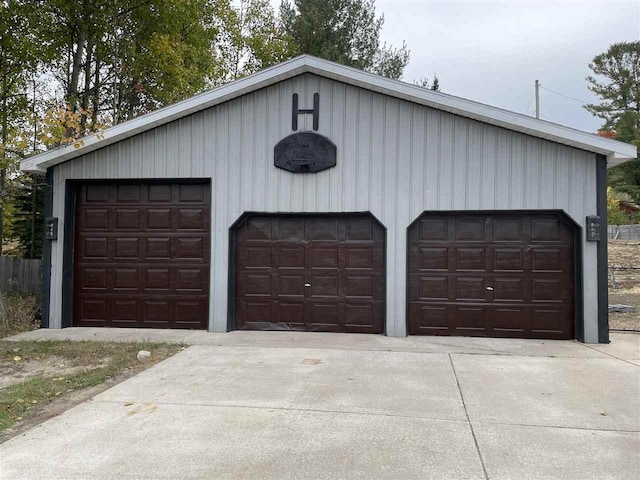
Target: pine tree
point(28, 222)
point(619, 106)
point(344, 31)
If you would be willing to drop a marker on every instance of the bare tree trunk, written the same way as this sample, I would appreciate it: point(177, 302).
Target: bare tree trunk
point(96, 93)
point(87, 81)
point(3, 170)
point(76, 67)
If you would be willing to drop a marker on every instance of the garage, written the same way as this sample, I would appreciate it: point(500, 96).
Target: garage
point(322, 273)
point(492, 274)
point(142, 255)
point(295, 198)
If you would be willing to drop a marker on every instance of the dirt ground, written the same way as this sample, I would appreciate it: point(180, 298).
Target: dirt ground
point(41, 379)
point(624, 283)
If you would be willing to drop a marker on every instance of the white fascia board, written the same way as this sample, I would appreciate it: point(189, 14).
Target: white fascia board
point(617, 152)
point(484, 113)
point(291, 68)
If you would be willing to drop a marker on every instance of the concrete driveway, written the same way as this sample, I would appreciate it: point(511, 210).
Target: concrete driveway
point(278, 405)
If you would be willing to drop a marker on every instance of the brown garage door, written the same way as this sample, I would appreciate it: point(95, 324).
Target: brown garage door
point(142, 255)
point(498, 275)
point(310, 273)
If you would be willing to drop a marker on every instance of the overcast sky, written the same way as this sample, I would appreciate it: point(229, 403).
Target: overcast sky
point(493, 51)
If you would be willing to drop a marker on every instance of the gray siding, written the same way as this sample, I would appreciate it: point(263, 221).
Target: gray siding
point(395, 159)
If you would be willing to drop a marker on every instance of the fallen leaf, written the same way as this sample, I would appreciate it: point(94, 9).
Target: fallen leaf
point(128, 404)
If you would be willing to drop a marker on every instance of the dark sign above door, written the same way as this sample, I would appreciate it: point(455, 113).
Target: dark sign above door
point(305, 152)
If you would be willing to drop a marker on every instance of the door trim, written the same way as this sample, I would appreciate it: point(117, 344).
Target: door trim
point(244, 217)
point(577, 256)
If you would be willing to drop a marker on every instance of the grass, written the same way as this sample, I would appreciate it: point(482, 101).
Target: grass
point(97, 362)
point(19, 314)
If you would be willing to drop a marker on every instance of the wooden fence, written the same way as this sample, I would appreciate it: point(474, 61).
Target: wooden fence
point(20, 275)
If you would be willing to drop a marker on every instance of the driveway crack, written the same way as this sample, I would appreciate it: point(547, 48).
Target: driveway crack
point(473, 433)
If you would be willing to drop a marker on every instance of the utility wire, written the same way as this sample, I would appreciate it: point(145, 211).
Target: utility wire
point(565, 96)
point(526, 112)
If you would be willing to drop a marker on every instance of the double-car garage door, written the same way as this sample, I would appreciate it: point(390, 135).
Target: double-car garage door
point(141, 259)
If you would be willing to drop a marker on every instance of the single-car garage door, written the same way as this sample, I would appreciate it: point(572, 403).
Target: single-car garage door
point(498, 274)
point(310, 273)
point(142, 255)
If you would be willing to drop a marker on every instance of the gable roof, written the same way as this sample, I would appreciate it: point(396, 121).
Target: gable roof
point(616, 152)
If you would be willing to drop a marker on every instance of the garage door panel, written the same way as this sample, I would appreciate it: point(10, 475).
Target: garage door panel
point(323, 229)
point(95, 194)
point(125, 279)
point(471, 288)
point(291, 313)
point(93, 279)
point(359, 286)
point(429, 317)
point(359, 258)
point(433, 259)
point(292, 229)
point(256, 256)
point(434, 287)
point(471, 317)
point(434, 230)
point(546, 230)
point(469, 229)
point(549, 290)
point(325, 314)
point(94, 310)
point(502, 275)
point(157, 249)
point(324, 284)
point(327, 273)
point(94, 219)
point(290, 256)
point(512, 320)
point(159, 193)
point(508, 230)
point(324, 257)
point(550, 320)
point(125, 312)
point(158, 219)
point(93, 248)
point(152, 273)
point(470, 259)
point(510, 289)
point(508, 259)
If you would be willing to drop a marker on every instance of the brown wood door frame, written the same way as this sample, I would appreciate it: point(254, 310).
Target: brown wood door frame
point(71, 189)
point(231, 279)
point(577, 255)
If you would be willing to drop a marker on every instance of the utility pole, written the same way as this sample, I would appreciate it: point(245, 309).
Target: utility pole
point(537, 99)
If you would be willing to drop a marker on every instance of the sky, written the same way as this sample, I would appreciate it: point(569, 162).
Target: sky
point(493, 51)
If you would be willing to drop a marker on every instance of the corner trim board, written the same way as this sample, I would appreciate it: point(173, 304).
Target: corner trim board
point(602, 255)
point(46, 252)
point(68, 247)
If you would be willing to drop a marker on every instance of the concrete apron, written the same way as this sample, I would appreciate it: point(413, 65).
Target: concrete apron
point(285, 405)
